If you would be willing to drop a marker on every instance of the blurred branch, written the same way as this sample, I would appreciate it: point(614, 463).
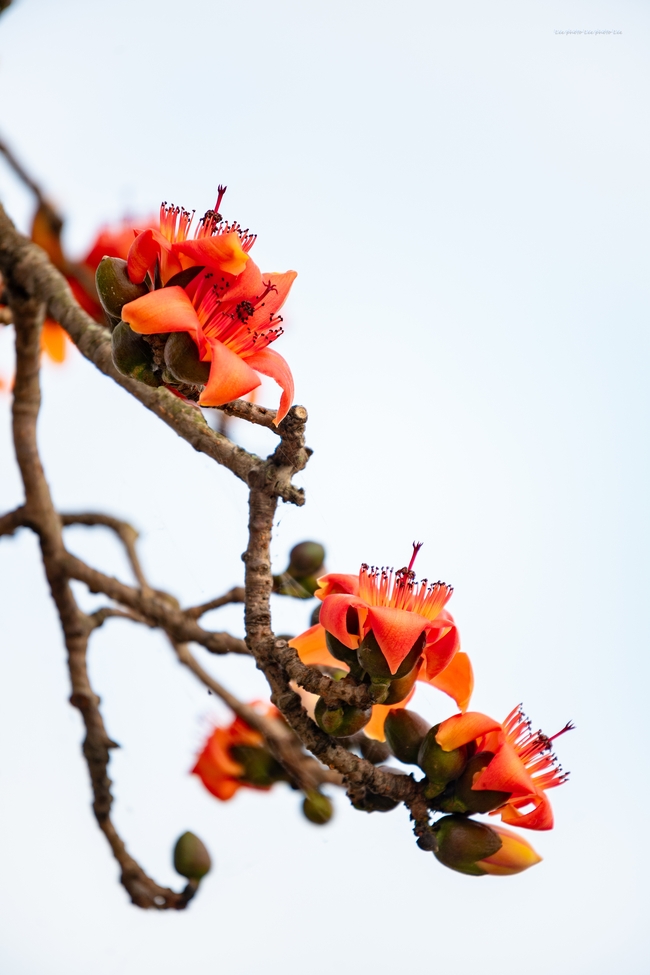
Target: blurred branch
point(125, 532)
point(234, 595)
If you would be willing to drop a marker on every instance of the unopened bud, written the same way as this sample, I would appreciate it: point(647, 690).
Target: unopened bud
point(114, 286)
point(405, 731)
point(467, 799)
point(516, 854)
point(372, 750)
point(182, 359)
point(191, 859)
point(373, 801)
point(462, 843)
point(306, 559)
point(341, 652)
point(400, 689)
point(374, 663)
point(133, 356)
point(317, 808)
point(439, 766)
point(341, 721)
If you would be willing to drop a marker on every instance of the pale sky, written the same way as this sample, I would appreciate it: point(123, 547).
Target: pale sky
point(464, 194)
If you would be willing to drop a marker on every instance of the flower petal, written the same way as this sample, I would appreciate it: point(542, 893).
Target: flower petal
point(334, 613)
point(337, 582)
point(395, 630)
point(312, 648)
point(463, 728)
point(456, 680)
point(516, 854)
point(506, 773)
point(269, 363)
point(440, 649)
point(165, 310)
point(223, 252)
point(230, 377)
point(541, 817)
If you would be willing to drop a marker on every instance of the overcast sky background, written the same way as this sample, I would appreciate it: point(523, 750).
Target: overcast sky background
point(464, 194)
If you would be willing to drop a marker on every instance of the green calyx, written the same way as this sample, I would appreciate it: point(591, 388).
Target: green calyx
point(439, 766)
point(191, 858)
point(375, 664)
point(114, 287)
point(260, 768)
point(182, 359)
point(341, 721)
point(405, 731)
point(133, 356)
point(461, 842)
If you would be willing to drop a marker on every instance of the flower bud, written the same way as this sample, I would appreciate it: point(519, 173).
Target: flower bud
point(374, 663)
point(182, 359)
point(400, 689)
point(405, 731)
point(260, 768)
point(191, 859)
point(114, 286)
point(467, 799)
point(341, 652)
point(462, 843)
point(439, 766)
point(133, 356)
point(341, 721)
point(372, 750)
point(516, 854)
point(317, 808)
point(372, 801)
point(306, 559)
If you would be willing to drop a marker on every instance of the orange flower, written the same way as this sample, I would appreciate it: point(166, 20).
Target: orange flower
point(398, 611)
point(516, 854)
point(234, 757)
point(522, 763)
point(208, 287)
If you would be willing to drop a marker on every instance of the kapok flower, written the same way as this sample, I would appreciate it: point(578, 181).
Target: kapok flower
point(220, 766)
point(398, 611)
point(522, 763)
point(213, 291)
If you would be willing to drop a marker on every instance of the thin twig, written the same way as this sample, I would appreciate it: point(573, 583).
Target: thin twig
point(125, 532)
point(234, 595)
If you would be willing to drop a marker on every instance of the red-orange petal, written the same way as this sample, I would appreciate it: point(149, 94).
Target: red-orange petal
point(312, 648)
point(143, 253)
point(222, 253)
point(395, 630)
point(230, 376)
point(439, 651)
point(269, 363)
point(337, 582)
point(333, 616)
point(456, 680)
point(463, 728)
point(541, 817)
point(506, 773)
point(165, 310)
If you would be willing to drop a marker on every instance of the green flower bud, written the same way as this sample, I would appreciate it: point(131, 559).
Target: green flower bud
point(466, 799)
point(315, 616)
point(374, 663)
point(191, 859)
point(343, 653)
point(462, 842)
point(341, 721)
point(439, 766)
point(306, 559)
point(133, 356)
point(372, 750)
point(114, 287)
point(405, 731)
point(260, 768)
point(317, 808)
point(182, 359)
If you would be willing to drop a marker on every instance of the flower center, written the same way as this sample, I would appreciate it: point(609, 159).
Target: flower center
point(400, 590)
point(534, 749)
point(239, 325)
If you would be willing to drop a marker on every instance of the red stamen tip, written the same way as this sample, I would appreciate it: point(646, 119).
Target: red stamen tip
point(221, 191)
point(569, 726)
point(416, 548)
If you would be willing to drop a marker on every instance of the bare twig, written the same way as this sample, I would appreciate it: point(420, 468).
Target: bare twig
point(234, 595)
point(125, 532)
